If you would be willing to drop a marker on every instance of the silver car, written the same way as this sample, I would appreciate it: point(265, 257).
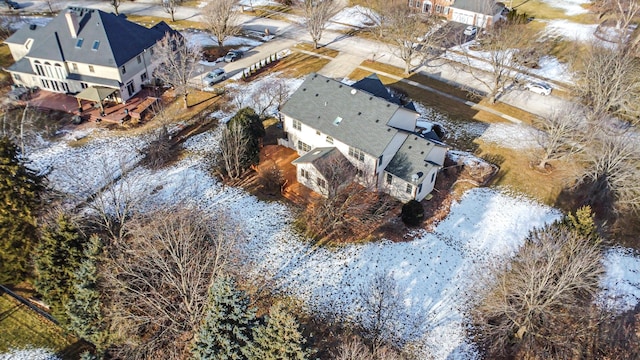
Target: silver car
point(214, 76)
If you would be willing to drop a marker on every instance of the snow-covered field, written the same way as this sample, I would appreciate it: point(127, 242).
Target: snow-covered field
point(570, 7)
point(435, 273)
point(570, 30)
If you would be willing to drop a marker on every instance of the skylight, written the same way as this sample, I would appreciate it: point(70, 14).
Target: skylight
point(337, 121)
point(95, 46)
point(79, 42)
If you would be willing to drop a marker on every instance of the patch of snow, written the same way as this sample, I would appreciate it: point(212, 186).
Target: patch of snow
point(204, 39)
point(257, 2)
point(621, 283)
point(570, 30)
point(354, 16)
point(512, 136)
point(551, 68)
point(29, 354)
point(570, 7)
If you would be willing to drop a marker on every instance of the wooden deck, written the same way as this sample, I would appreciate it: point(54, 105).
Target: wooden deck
point(292, 189)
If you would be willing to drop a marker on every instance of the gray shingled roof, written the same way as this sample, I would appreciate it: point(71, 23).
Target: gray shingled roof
point(320, 101)
point(313, 155)
point(22, 66)
point(94, 80)
point(477, 6)
point(410, 159)
point(119, 39)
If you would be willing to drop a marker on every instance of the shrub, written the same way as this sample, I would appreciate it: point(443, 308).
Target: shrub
point(412, 213)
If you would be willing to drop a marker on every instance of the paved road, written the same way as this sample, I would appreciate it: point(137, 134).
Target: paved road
point(353, 50)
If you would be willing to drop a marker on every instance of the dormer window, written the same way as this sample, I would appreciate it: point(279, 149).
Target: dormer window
point(79, 43)
point(96, 45)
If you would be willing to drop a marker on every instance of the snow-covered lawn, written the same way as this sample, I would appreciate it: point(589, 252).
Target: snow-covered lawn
point(29, 354)
point(570, 7)
point(354, 16)
point(570, 30)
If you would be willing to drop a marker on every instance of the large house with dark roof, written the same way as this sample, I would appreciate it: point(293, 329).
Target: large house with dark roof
point(83, 48)
point(365, 125)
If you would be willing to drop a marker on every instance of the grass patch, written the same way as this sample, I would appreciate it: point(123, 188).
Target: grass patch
point(20, 328)
point(298, 65)
point(268, 11)
point(542, 10)
point(517, 174)
point(149, 21)
point(515, 112)
point(321, 51)
point(6, 60)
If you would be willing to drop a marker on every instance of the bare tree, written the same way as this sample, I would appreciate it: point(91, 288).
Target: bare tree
point(158, 279)
point(558, 135)
point(608, 81)
point(221, 18)
point(504, 47)
point(317, 14)
point(535, 305)
point(270, 93)
point(22, 127)
point(375, 11)
point(178, 64)
point(355, 349)
point(612, 167)
point(53, 5)
point(170, 7)
point(380, 306)
point(233, 147)
point(410, 36)
point(115, 4)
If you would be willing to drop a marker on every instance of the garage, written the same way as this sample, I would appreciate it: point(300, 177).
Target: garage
point(463, 17)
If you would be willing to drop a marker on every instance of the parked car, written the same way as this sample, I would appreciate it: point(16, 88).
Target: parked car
point(538, 88)
point(214, 76)
point(470, 30)
point(233, 55)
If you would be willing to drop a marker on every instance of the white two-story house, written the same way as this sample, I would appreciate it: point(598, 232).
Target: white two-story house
point(84, 47)
point(326, 119)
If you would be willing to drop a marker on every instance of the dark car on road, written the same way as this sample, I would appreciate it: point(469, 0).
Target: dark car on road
point(233, 55)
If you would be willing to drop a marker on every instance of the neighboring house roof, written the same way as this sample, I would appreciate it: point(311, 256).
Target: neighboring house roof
point(22, 66)
point(351, 116)
point(409, 162)
point(107, 39)
point(375, 87)
point(478, 6)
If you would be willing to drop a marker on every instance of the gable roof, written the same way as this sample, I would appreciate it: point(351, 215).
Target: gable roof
point(351, 116)
point(107, 39)
point(478, 6)
point(411, 158)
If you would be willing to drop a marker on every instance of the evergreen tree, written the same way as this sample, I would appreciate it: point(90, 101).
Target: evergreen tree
point(20, 189)
point(58, 256)
point(226, 329)
point(254, 128)
point(84, 309)
point(584, 223)
point(279, 338)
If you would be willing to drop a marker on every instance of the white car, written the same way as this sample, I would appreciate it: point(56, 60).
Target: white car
point(470, 30)
point(214, 76)
point(538, 88)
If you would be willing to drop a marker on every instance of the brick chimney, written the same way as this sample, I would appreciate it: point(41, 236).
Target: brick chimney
point(73, 22)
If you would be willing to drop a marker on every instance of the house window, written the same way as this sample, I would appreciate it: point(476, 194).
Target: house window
point(389, 179)
point(409, 189)
point(84, 85)
point(329, 139)
point(130, 88)
point(297, 125)
point(39, 68)
point(303, 147)
point(74, 66)
point(419, 188)
point(91, 69)
point(304, 174)
point(433, 177)
point(96, 45)
point(356, 154)
point(79, 43)
point(359, 172)
point(16, 76)
point(143, 77)
point(139, 59)
point(321, 183)
point(124, 69)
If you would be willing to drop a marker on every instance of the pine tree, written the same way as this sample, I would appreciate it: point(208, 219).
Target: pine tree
point(584, 223)
point(84, 308)
point(253, 126)
point(58, 256)
point(226, 329)
point(20, 189)
point(279, 338)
